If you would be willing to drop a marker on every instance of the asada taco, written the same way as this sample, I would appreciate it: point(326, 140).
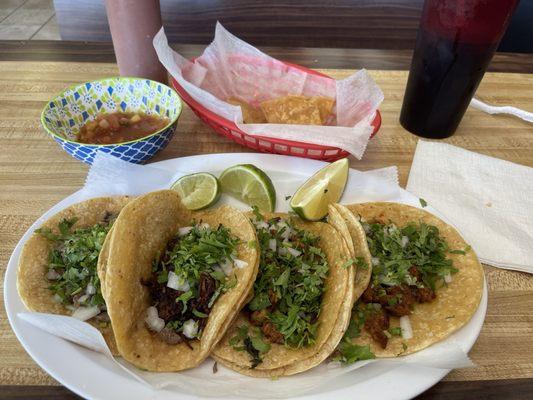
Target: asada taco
point(301, 301)
point(57, 271)
point(425, 282)
point(174, 279)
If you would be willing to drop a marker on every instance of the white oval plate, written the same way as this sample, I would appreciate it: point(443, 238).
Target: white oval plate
point(93, 376)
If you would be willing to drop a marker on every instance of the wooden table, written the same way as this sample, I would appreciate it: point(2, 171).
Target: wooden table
point(35, 174)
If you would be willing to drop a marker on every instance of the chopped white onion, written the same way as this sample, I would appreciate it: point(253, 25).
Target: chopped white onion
point(85, 313)
point(405, 240)
point(153, 321)
point(83, 299)
point(405, 325)
point(261, 225)
point(57, 298)
point(227, 267)
point(240, 263)
point(205, 225)
point(282, 250)
point(391, 229)
point(90, 289)
point(52, 275)
point(375, 261)
point(294, 252)
point(190, 328)
point(287, 232)
point(272, 244)
point(448, 278)
point(185, 230)
point(177, 282)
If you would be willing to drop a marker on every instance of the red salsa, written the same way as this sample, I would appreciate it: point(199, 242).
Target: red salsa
point(119, 127)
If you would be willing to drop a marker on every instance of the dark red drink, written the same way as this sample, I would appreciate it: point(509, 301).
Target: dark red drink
point(454, 46)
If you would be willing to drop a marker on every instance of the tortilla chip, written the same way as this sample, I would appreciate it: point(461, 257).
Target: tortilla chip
point(32, 284)
point(333, 319)
point(250, 114)
point(455, 303)
point(324, 105)
point(291, 110)
point(141, 232)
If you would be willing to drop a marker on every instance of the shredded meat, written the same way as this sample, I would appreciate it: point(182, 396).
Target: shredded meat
point(206, 289)
point(272, 297)
point(398, 300)
point(165, 302)
point(370, 295)
point(424, 295)
point(415, 273)
point(375, 323)
point(169, 336)
point(103, 317)
point(258, 318)
point(271, 332)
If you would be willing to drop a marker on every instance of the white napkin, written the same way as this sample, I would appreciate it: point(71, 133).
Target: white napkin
point(230, 67)
point(517, 112)
point(489, 200)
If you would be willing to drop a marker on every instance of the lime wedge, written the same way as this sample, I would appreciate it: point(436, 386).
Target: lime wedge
point(311, 200)
point(197, 191)
point(249, 184)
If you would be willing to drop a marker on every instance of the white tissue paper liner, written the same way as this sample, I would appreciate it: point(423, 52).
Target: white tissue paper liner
point(230, 67)
point(510, 110)
point(111, 176)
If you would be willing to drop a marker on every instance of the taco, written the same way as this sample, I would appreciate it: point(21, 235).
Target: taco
point(301, 303)
point(425, 282)
point(174, 279)
point(57, 266)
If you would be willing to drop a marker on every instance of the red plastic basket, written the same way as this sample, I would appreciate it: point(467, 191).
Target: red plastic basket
point(230, 130)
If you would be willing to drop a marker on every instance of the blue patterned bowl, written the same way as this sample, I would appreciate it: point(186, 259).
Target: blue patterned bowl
point(66, 113)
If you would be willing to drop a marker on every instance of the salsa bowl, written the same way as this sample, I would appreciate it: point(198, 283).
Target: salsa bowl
point(64, 115)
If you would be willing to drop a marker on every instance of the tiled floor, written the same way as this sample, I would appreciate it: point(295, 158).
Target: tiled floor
point(28, 20)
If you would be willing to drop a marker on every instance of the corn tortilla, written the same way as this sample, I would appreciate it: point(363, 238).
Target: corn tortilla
point(142, 231)
point(32, 284)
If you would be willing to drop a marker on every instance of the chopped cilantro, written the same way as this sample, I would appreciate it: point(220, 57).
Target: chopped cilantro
point(423, 202)
point(287, 197)
point(253, 344)
point(398, 249)
point(72, 262)
point(348, 353)
point(291, 277)
point(396, 331)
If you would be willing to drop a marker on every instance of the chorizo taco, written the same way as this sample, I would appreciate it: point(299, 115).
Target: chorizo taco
point(425, 282)
point(57, 271)
point(301, 304)
point(174, 279)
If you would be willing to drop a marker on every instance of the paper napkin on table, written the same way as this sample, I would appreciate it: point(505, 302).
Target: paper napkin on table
point(230, 67)
point(489, 200)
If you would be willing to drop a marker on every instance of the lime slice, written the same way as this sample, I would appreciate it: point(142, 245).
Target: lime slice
point(251, 185)
point(197, 191)
point(311, 200)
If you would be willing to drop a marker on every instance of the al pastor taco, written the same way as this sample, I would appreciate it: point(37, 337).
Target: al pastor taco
point(301, 301)
point(425, 282)
point(174, 279)
point(57, 271)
